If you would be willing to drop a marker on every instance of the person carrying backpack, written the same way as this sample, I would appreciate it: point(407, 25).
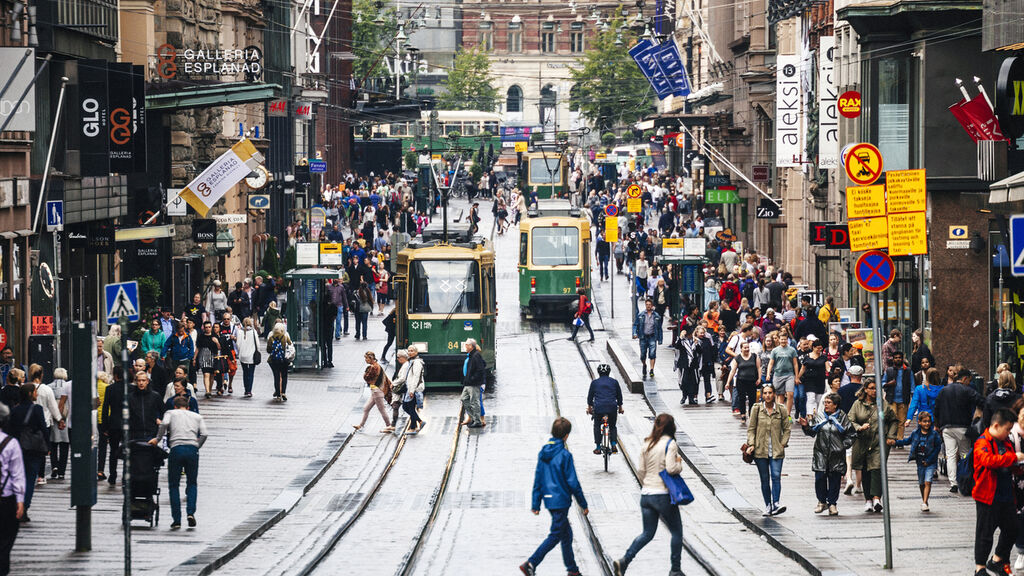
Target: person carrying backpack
point(584, 307)
point(12, 491)
point(280, 353)
point(993, 461)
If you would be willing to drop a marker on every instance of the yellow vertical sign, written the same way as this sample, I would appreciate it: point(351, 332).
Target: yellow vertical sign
point(522, 146)
point(611, 228)
point(633, 205)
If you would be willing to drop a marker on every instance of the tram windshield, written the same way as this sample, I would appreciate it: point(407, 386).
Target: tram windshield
point(445, 287)
point(556, 246)
point(545, 170)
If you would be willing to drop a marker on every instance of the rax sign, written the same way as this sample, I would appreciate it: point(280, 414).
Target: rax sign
point(849, 104)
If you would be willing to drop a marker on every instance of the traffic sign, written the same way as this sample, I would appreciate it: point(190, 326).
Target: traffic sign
point(634, 191)
point(318, 166)
point(521, 146)
point(122, 301)
point(1017, 244)
point(611, 229)
point(863, 164)
point(3, 338)
point(908, 234)
point(259, 201)
point(611, 210)
point(906, 191)
point(634, 205)
point(54, 215)
point(869, 234)
point(865, 201)
point(875, 271)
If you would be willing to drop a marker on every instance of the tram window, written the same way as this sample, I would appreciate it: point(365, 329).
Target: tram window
point(524, 240)
point(556, 246)
point(545, 170)
point(445, 287)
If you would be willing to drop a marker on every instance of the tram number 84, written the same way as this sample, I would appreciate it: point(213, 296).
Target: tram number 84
point(456, 346)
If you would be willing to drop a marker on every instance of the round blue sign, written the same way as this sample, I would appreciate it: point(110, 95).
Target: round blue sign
point(875, 271)
point(611, 210)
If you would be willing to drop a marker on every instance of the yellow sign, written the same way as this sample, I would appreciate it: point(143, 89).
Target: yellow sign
point(958, 232)
point(522, 146)
point(600, 156)
point(906, 190)
point(865, 201)
point(435, 156)
point(330, 248)
point(868, 234)
point(672, 243)
point(634, 191)
point(681, 140)
point(908, 234)
point(633, 205)
point(611, 228)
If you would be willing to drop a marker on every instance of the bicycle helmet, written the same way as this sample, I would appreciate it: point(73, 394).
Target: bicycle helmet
point(604, 370)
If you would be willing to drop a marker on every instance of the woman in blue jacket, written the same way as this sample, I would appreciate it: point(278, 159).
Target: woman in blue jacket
point(556, 483)
point(923, 399)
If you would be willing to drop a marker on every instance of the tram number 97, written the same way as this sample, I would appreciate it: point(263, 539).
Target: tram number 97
point(567, 290)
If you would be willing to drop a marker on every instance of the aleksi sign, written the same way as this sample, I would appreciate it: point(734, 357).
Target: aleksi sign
point(201, 63)
point(828, 119)
point(789, 143)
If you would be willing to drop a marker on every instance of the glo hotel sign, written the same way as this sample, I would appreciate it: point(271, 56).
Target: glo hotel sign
point(193, 63)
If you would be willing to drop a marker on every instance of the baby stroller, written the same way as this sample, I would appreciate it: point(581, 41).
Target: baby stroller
point(145, 484)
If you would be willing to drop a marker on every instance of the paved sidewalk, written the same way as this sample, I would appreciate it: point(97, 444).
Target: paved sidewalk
point(939, 541)
point(260, 457)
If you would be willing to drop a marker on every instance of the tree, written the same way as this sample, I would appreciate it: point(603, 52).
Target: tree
point(270, 258)
point(609, 86)
point(468, 85)
point(411, 160)
point(608, 139)
point(370, 39)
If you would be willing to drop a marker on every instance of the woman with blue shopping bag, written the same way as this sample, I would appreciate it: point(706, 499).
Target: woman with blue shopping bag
point(662, 492)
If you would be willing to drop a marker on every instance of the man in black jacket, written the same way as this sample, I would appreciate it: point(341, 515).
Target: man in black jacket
point(240, 302)
point(955, 407)
point(603, 255)
point(475, 377)
point(898, 383)
point(145, 408)
point(604, 399)
point(113, 400)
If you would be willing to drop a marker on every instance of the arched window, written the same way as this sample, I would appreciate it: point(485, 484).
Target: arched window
point(514, 99)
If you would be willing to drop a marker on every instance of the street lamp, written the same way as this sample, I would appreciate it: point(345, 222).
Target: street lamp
point(225, 242)
point(401, 37)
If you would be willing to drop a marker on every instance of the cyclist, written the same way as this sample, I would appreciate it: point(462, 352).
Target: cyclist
point(604, 399)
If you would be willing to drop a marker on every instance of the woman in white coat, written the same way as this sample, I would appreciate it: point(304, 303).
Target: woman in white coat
point(248, 343)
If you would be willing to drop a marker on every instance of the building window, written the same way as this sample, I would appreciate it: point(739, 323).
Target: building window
point(576, 37)
point(486, 36)
point(514, 99)
point(515, 37)
point(547, 37)
point(893, 126)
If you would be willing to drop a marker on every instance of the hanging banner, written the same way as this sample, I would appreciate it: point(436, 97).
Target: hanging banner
point(25, 115)
point(92, 113)
point(139, 117)
point(121, 104)
point(828, 117)
point(789, 140)
point(219, 177)
point(672, 68)
point(643, 53)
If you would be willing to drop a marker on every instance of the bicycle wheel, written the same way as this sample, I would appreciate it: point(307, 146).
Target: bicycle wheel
point(606, 448)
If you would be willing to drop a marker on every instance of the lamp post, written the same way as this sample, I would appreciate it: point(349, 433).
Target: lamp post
point(401, 37)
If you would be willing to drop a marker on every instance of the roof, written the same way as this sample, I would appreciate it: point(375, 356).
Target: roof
point(210, 95)
point(312, 273)
point(1010, 189)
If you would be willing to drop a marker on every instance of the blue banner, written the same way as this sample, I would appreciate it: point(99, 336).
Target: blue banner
point(672, 68)
point(645, 55)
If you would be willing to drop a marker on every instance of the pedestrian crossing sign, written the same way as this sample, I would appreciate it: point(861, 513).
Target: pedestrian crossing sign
point(122, 301)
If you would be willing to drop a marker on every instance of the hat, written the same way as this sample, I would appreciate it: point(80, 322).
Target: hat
point(769, 311)
point(726, 235)
point(859, 345)
point(216, 282)
point(855, 370)
point(811, 337)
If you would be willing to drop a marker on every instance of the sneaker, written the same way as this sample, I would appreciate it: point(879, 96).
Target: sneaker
point(619, 566)
point(615, 450)
point(651, 374)
point(849, 488)
point(284, 398)
point(527, 568)
point(819, 508)
point(573, 573)
point(597, 450)
point(175, 525)
point(1018, 564)
point(833, 511)
point(735, 410)
point(41, 482)
point(191, 521)
point(858, 489)
point(767, 510)
point(878, 504)
point(924, 507)
point(981, 572)
point(868, 507)
point(953, 489)
point(53, 475)
point(1002, 567)
point(778, 509)
point(60, 476)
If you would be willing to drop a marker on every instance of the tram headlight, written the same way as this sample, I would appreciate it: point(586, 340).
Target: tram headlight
point(421, 347)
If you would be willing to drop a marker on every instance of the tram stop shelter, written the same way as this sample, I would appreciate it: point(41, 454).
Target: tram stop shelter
point(683, 260)
point(306, 296)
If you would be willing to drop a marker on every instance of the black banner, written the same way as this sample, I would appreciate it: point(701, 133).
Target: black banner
point(92, 118)
point(101, 240)
point(837, 237)
point(817, 233)
point(139, 117)
point(121, 104)
point(204, 230)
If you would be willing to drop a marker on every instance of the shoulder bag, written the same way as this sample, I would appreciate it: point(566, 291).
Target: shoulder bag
point(32, 441)
point(257, 357)
point(678, 492)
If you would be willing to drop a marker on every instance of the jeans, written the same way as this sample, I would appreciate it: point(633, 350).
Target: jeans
point(32, 462)
point(280, 378)
point(653, 507)
point(648, 349)
point(59, 457)
point(341, 322)
point(770, 468)
point(471, 403)
point(410, 408)
point(799, 400)
point(586, 322)
point(612, 432)
point(603, 267)
point(956, 444)
point(989, 517)
point(183, 457)
point(361, 321)
point(248, 372)
point(561, 533)
point(114, 441)
point(826, 486)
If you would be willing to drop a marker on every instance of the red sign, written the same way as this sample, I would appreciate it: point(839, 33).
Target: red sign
point(863, 164)
point(3, 338)
point(760, 173)
point(977, 118)
point(837, 237)
point(42, 325)
point(875, 271)
point(849, 104)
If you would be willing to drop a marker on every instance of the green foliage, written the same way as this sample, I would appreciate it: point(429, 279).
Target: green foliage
point(411, 160)
point(270, 263)
point(562, 136)
point(454, 135)
point(476, 171)
point(149, 293)
point(648, 134)
point(486, 136)
point(537, 137)
point(608, 139)
point(370, 39)
point(607, 74)
point(288, 262)
point(468, 85)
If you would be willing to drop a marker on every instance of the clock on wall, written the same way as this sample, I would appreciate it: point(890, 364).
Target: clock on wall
point(258, 179)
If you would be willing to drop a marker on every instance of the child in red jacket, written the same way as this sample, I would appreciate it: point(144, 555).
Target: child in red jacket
point(994, 460)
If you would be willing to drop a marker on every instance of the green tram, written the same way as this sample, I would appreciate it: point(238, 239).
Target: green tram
point(547, 172)
point(446, 294)
point(554, 258)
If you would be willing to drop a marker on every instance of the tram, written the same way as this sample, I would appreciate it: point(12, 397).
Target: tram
point(546, 172)
point(554, 258)
point(445, 294)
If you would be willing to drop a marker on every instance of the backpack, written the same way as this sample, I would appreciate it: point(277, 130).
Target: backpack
point(965, 474)
point(588, 306)
point(277, 353)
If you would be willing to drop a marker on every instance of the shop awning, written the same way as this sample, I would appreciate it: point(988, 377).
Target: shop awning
point(1010, 189)
point(212, 95)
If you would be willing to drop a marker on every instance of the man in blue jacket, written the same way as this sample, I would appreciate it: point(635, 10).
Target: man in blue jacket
point(604, 399)
point(647, 329)
point(555, 481)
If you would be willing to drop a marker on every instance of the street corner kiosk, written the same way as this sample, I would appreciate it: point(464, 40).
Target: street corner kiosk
point(306, 294)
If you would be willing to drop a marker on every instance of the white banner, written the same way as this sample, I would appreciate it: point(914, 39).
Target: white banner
point(219, 177)
point(828, 114)
point(230, 218)
point(789, 134)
